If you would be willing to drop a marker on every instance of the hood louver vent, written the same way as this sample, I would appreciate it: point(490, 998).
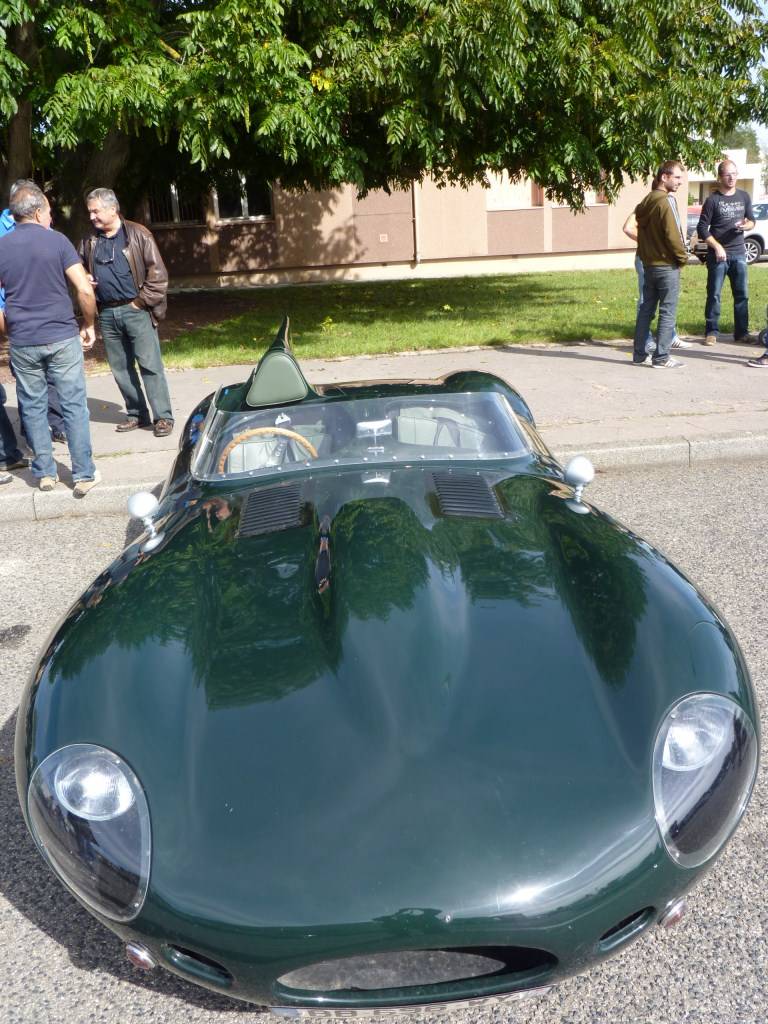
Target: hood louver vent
point(277, 508)
point(466, 494)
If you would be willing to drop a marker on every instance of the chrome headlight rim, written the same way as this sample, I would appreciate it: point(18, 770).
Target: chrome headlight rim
point(739, 718)
point(65, 838)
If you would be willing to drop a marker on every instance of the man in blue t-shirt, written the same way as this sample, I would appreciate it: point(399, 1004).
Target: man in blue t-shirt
point(725, 216)
point(55, 419)
point(37, 266)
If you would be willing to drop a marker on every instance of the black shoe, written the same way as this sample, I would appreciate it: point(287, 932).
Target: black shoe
point(15, 464)
point(58, 436)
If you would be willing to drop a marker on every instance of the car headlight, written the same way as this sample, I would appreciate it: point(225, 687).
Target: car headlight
point(89, 817)
point(704, 765)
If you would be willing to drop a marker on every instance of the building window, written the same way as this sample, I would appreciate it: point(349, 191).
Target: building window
point(242, 197)
point(169, 205)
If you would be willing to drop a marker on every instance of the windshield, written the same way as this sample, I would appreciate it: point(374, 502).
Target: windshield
point(397, 428)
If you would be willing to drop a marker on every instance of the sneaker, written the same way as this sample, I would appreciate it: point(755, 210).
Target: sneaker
point(83, 486)
point(6, 478)
point(711, 339)
point(59, 436)
point(163, 428)
point(679, 343)
point(747, 339)
point(642, 362)
point(21, 463)
point(762, 361)
point(47, 483)
point(670, 364)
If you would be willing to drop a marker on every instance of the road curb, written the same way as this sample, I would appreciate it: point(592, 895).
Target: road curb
point(31, 505)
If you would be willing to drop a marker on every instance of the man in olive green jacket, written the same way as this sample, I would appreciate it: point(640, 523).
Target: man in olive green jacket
point(661, 248)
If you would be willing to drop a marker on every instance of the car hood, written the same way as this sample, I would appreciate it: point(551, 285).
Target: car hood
point(460, 724)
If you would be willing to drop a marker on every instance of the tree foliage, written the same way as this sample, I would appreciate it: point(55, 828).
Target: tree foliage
point(573, 93)
point(743, 136)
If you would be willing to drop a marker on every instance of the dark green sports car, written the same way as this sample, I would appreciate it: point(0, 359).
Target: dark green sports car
point(379, 712)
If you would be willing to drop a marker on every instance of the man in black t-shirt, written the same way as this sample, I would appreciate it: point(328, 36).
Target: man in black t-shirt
point(725, 216)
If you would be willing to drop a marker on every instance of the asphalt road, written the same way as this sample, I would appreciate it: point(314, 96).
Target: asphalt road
point(58, 964)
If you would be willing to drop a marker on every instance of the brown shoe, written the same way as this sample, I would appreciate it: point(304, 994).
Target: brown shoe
point(711, 339)
point(163, 428)
point(130, 423)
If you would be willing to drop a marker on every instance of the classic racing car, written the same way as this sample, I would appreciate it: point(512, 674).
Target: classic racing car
point(378, 711)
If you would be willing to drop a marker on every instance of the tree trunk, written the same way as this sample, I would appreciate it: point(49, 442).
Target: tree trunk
point(22, 43)
point(102, 171)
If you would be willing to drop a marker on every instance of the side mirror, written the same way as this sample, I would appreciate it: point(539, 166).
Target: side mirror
point(578, 473)
point(143, 506)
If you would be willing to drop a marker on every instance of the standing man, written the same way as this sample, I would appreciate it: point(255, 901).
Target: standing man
point(36, 267)
point(131, 285)
point(55, 419)
point(661, 248)
point(725, 216)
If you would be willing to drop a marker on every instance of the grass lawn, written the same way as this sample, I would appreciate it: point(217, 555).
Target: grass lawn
point(350, 319)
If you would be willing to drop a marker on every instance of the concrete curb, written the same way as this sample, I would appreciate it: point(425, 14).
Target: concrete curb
point(111, 499)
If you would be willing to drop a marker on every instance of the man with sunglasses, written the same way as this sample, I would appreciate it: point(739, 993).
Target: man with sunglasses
point(131, 285)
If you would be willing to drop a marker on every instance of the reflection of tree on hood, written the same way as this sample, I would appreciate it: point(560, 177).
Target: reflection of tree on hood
point(499, 558)
point(244, 610)
point(379, 549)
point(597, 573)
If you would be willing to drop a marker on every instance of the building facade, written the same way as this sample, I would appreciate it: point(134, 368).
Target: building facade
point(252, 236)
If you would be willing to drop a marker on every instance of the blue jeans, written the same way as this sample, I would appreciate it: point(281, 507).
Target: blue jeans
point(130, 339)
point(662, 289)
point(62, 363)
point(9, 446)
point(55, 419)
point(735, 267)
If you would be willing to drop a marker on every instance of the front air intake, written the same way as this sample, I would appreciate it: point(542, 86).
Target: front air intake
point(466, 494)
point(380, 972)
point(272, 509)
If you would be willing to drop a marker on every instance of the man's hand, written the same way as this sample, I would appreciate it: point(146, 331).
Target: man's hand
point(87, 337)
point(720, 254)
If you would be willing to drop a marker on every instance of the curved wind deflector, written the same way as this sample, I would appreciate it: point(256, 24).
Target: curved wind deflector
point(277, 380)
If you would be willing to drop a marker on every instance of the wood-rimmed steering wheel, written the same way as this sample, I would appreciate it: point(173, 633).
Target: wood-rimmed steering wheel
point(261, 431)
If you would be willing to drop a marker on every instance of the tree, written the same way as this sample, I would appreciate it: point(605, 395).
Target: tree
point(573, 93)
point(743, 136)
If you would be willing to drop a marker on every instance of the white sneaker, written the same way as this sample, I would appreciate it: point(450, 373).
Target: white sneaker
point(679, 343)
point(6, 478)
point(83, 486)
point(671, 364)
point(47, 483)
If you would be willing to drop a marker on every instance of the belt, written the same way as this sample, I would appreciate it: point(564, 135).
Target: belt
point(116, 302)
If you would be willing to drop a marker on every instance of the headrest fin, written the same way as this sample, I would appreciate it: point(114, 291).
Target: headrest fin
point(277, 380)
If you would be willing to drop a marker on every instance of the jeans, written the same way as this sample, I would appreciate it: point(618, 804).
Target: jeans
point(9, 446)
point(55, 418)
point(130, 339)
point(662, 289)
point(62, 363)
point(650, 343)
point(736, 269)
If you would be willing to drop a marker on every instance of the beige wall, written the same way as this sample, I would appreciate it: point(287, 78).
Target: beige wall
point(335, 229)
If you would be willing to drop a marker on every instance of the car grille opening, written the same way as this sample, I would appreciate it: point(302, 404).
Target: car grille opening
point(272, 509)
point(198, 966)
point(626, 929)
point(466, 494)
point(377, 972)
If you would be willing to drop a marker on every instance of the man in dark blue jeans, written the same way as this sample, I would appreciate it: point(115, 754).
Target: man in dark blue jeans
point(131, 284)
point(661, 247)
point(10, 453)
point(725, 216)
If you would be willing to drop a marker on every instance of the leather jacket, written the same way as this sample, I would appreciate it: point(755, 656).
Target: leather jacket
point(149, 273)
